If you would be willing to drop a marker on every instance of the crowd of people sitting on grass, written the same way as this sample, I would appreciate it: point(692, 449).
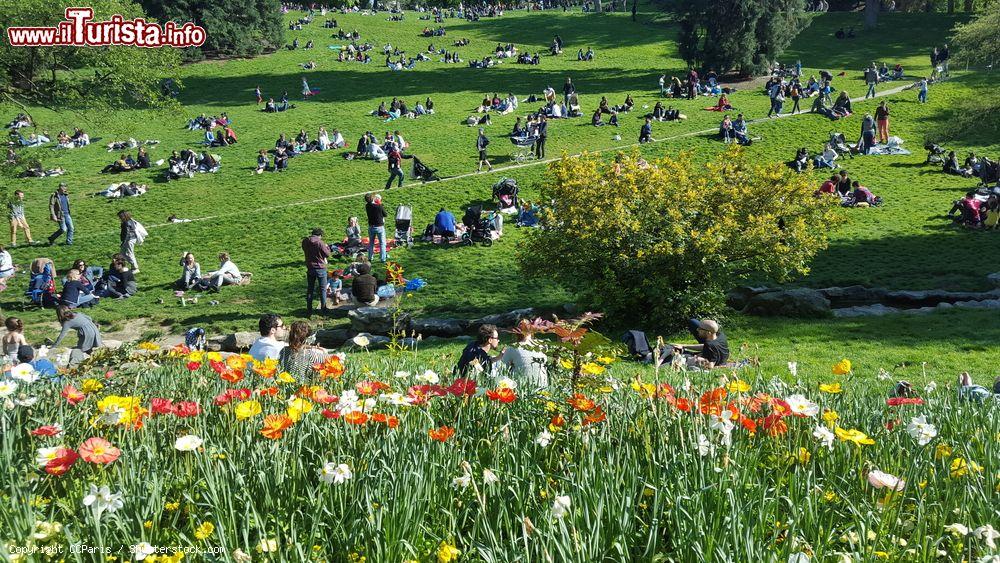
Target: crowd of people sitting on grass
point(850, 192)
point(188, 162)
point(398, 108)
point(126, 163)
point(692, 86)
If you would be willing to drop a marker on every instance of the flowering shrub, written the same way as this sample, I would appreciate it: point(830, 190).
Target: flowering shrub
point(668, 238)
point(389, 461)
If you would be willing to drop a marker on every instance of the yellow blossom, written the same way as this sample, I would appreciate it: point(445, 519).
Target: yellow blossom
point(645, 390)
point(285, 377)
point(151, 346)
point(204, 531)
point(830, 416)
point(91, 385)
point(591, 368)
point(605, 359)
point(960, 467)
point(213, 357)
point(843, 367)
point(830, 387)
point(942, 451)
point(804, 456)
point(447, 552)
point(855, 436)
point(566, 364)
point(247, 409)
point(550, 406)
point(171, 506)
point(148, 524)
point(738, 386)
point(297, 407)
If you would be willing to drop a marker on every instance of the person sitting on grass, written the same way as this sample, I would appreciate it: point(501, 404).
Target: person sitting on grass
point(970, 208)
point(75, 294)
point(801, 160)
point(227, 274)
point(524, 361)
point(444, 223)
point(335, 288)
point(119, 281)
point(120, 165)
point(842, 107)
point(828, 187)
point(476, 355)
point(364, 287)
point(299, 357)
point(862, 196)
point(826, 159)
point(44, 367)
point(263, 161)
point(596, 120)
point(712, 349)
point(190, 272)
point(740, 130)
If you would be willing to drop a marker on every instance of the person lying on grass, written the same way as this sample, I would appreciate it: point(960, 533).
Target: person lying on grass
point(712, 349)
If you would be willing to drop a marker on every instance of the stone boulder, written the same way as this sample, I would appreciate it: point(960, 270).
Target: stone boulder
point(504, 320)
point(876, 310)
point(447, 328)
point(854, 295)
point(239, 341)
point(377, 320)
point(994, 279)
point(795, 302)
point(332, 337)
point(738, 297)
point(214, 343)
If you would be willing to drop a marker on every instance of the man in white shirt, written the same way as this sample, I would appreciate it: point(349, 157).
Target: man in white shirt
point(268, 345)
point(227, 274)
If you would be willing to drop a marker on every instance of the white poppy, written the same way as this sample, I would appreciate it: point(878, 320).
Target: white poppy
point(544, 438)
point(823, 434)
point(921, 430)
point(188, 443)
point(25, 373)
point(7, 388)
point(560, 507)
point(489, 477)
point(143, 550)
point(802, 406)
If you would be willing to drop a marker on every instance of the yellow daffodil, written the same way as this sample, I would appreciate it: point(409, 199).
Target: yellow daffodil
point(942, 451)
point(804, 456)
point(91, 385)
point(645, 390)
point(738, 386)
point(566, 364)
point(843, 367)
point(830, 416)
point(447, 552)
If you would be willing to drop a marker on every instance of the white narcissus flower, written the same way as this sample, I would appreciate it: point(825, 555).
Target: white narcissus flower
point(930, 388)
point(26, 401)
point(25, 373)
point(143, 550)
point(267, 546)
point(544, 438)
point(462, 481)
point(44, 531)
point(240, 556)
point(957, 529)
point(560, 507)
point(987, 534)
point(704, 446)
point(188, 443)
point(883, 480)
point(724, 426)
point(101, 500)
point(7, 388)
point(802, 406)
point(428, 377)
point(336, 474)
point(921, 430)
point(506, 383)
point(793, 368)
point(489, 477)
point(823, 434)
point(401, 375)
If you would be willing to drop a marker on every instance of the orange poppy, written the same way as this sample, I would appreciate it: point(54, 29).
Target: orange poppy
point(504, 395)
point(580, 402)
point(441, 434)
point(597, 415)
point(275, 426)
point(356, 417)
point(332, 367)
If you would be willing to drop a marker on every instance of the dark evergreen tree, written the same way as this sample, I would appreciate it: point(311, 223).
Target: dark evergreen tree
point(234, 27)
point(740, 35)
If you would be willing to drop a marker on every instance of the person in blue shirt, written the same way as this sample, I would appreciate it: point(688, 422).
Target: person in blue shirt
point(646, 133)
point(444, 223)
point(44, 367)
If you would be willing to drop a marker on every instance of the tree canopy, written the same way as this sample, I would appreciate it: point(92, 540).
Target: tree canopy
point(235, 27)
point(741, 35)
point(668, 239)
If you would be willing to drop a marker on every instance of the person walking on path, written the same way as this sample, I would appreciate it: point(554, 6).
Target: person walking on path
point(316, 253)
point(376, 225)
point(882, 121)
point(129, 238)
point(60, 213)
point(481, 143)
point(543, 133)
point(395, 168)
point(871, 79)
point(16, 214)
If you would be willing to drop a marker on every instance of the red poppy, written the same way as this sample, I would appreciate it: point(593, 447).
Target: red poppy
point(441, 434)
point(682, 404)
point(330, 413)
point(62, 461)
point(462, 387)
point(72, 395)
point(47, 430)
point(597, 415)
point(748, 423)
point(193, 366)
point(217, 367)
point(774, 425)
point(504, 395)
point(268, 391)
point(897, 401)
point(370, 388)
point(713, 396)
point(231, 375)
point(392, 422)
point(186, 408)
point(161, 406)
point(558, 421)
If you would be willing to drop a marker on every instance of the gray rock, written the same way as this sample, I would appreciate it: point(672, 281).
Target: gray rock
point(239, 341)
point(113, 344)
point(439, 327)
point(994, 279)
point(930, 298)
point(332, 337)
point(876, 310)
point(377, 320)
point(738, 297)
point(504, 320)
point(214, 343)
point(853, 295)
point(795, 302)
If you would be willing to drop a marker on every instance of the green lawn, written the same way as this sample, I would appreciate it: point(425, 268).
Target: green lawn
point(260, 219)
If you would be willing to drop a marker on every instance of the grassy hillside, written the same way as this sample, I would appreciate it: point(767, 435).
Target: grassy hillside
point(260, 219)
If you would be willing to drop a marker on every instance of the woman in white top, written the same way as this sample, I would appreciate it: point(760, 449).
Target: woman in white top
point(227, 274)
point(6, 265)
point(826, 159)
point(338, 139)
point(524, 361)
point(323, 138)
point(14, 338)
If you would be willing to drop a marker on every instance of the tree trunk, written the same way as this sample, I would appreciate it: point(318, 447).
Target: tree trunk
point(597, 6)
point(871, 13)
point(970, 5)
point(951, 6)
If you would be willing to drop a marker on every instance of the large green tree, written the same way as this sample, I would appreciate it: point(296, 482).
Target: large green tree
point(80, 76)
point(234, 27)
point(977, 41)
point(665, 240)
point(740, 35)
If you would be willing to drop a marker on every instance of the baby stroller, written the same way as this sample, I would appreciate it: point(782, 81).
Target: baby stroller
point(404, 225)
point(477, 229)
point(505, 192)
point(839, 143)
point(525, 146)
point(423, 172)
point(935, 153)
point(42, 287)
